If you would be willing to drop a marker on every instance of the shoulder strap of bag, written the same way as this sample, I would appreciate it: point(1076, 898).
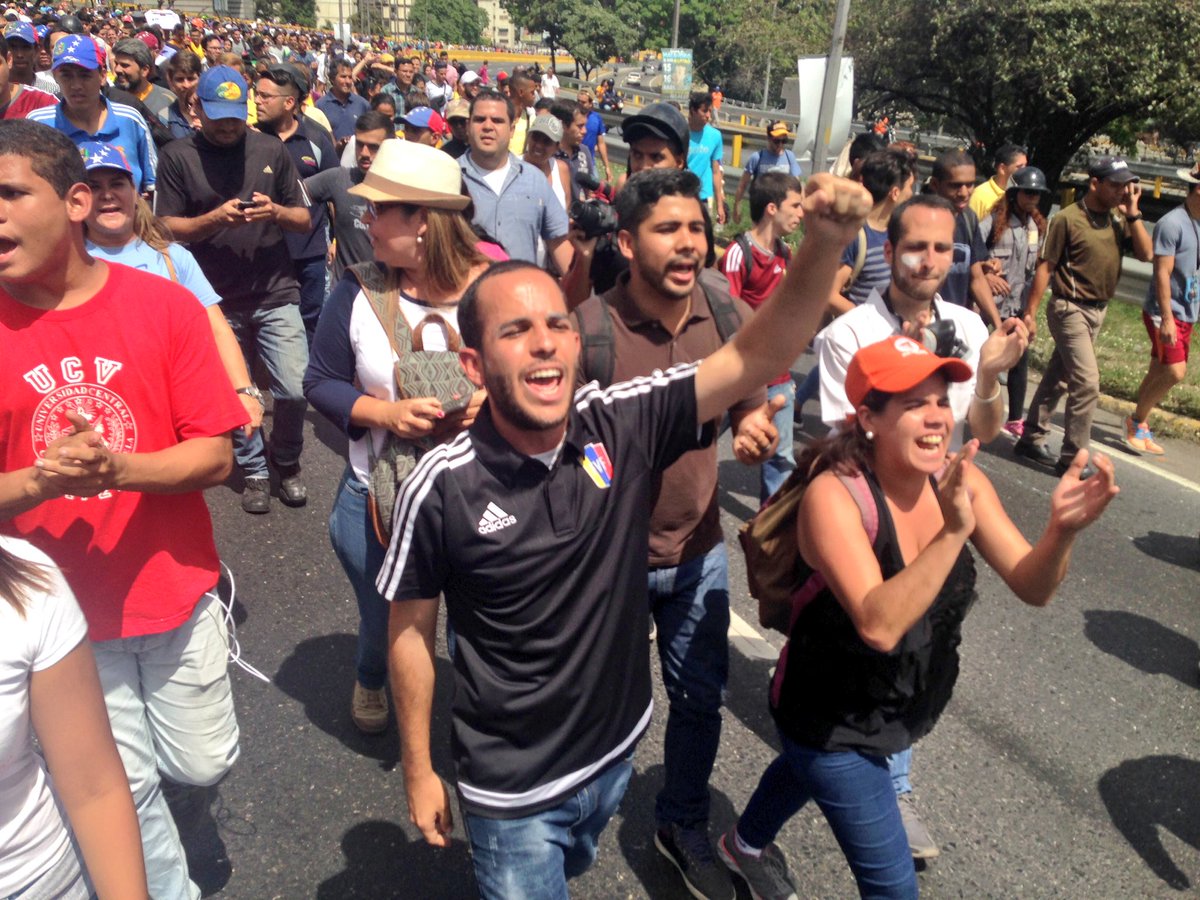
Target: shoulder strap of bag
point(596, 335)
point(743, 241)
point(383, 293)
point(725, 314)
point(166, 255)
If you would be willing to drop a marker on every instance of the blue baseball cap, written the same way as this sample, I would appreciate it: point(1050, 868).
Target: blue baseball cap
point(21, 31)
point(97, 155)
point(222, 93)
point(76, 50)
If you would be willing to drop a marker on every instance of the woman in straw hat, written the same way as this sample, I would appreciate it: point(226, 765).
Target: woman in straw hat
point(384, 369)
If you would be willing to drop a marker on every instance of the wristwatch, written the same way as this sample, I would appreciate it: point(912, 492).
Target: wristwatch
point(251, 390)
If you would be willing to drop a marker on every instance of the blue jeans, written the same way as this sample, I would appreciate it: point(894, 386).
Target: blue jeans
point(310, 273)
point(532, 858)
point(855, 793)
point(361, 555)
point(690, 603)
point(809, 388)
point(277, 335)
point(899, 765)
point(776, 469)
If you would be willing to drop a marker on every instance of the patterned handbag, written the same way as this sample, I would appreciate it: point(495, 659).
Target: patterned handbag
point(418, 373)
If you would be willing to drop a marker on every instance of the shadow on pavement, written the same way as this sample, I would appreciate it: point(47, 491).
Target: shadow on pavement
point(1181, 550)
point(1146, 796)
point(1146, 645)
point(635, 835)
point(319, 673)
point(382, 862)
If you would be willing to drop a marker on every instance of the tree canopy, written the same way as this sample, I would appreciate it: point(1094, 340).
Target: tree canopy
point(1048, 74)
point(449, 21)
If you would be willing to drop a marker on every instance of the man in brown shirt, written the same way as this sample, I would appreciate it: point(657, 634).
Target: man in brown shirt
point(1081, 262)
point(666, 311)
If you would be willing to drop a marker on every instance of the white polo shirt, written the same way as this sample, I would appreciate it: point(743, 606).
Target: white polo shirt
point(872, 322)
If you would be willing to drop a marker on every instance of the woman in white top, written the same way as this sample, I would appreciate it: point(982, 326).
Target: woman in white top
point(49, 689)
point(540, 146)
point(426, 257)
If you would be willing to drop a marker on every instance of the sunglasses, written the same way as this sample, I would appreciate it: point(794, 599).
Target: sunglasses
point(376, 209)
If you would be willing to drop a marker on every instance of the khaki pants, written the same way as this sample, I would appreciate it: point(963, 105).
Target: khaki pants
point(1072, 370)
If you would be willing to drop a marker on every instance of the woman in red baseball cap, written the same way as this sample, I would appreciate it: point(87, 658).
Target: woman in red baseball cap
point(872, 656)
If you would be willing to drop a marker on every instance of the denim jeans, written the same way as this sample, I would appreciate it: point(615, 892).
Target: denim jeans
point(361, 555)
point(531, 858)
point(855, 793)
point(277, 335)
point(809, 387)
point(690, 603)
point(311, 274)
point(899, 766)
point(170, 704)
point(776, 469)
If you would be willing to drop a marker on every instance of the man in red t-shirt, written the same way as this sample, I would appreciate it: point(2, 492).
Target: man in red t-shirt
point(16, 99)
point(117, 415)
point(754, 264)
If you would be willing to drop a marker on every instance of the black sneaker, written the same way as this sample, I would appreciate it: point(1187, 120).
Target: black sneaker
point(256, 495)
point(1038, 453)
point(689, 851)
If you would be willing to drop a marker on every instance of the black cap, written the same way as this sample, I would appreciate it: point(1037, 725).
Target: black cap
point(660, 120)
point(1112, 168)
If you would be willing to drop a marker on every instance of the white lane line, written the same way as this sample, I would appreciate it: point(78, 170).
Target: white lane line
point(1154, 469)
point(747, 641)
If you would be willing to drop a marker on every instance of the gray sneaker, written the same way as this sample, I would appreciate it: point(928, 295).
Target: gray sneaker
point(766, 875)
point(689, 852)
point(920, 842)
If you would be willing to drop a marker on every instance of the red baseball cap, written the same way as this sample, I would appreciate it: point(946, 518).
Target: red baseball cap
point(895, 365)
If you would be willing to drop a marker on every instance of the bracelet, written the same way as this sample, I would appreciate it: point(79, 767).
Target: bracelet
point(991, 399)
point(1132, 219)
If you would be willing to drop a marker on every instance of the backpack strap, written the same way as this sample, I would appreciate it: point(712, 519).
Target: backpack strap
point(596, 335)
point(724, 312)
point(861, 492)
point(743, 241)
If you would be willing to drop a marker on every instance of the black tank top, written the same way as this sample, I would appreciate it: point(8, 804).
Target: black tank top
point(832, 691)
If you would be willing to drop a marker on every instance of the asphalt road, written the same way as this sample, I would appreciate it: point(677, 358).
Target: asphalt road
point(1067, 765)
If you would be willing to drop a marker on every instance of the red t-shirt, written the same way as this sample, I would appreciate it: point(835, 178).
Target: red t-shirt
point(27, 101)
point(766, 271)
point(139, 361)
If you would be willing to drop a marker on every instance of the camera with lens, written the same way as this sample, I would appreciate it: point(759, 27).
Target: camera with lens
point(940, 338)
point(594, 217)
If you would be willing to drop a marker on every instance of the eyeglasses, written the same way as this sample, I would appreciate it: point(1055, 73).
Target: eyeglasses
point(377, 209)
point(259, 95)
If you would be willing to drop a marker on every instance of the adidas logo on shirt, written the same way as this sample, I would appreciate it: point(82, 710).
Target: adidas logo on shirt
point(494, 518)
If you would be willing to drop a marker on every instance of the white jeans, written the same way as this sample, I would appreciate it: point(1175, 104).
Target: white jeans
point(170, 704)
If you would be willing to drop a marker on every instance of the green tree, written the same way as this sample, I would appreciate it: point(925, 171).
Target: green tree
point(1048, 74)
point(449, 21)
point(538, 16)
point(795, 27)
point(298, 12)
point(702, 25)
point(593, 33)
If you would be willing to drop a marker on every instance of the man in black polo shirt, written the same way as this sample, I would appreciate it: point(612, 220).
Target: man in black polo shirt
point(278, 95)
point(527, 523)
point(230, 193)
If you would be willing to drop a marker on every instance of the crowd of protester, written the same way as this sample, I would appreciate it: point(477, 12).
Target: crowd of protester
point(531, 361)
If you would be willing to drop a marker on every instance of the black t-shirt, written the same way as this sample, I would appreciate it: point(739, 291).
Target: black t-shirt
point(833, 692)
point(455, 147)
point(248, 265)
point(544, 576)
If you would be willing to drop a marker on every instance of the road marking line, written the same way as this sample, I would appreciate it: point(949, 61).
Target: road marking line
point(749, 642)
point(1151, 467)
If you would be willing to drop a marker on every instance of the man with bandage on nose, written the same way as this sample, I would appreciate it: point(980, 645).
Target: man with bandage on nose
point(920, 249)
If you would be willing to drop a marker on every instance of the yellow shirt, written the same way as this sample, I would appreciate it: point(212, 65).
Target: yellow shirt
point(984, 197)
point(516, 146)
